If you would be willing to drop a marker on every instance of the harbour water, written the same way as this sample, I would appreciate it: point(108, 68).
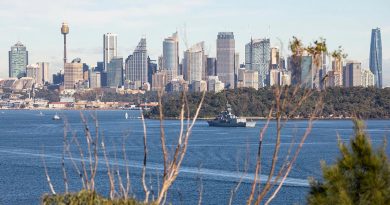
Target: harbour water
point(214, 161)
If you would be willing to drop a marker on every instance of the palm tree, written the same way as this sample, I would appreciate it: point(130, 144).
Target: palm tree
point(338, 56)
point(316, 51)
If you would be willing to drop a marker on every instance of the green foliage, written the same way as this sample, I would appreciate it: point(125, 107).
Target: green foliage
point(50, 95)
point(85, 197)
point(338, 102)
point(105, 96)
point(360, 176)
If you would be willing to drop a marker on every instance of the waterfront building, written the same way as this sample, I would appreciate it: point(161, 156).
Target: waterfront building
point(110, 48)
point(214, 84)
point(170, 58)
point(136, 67)
point(115, 72)
point(257, 58)
point(17, 60)
point(225, 58)
point(194, 63)
point(353, 74)
point(73, 74)
point(376, 56)
point(368, 78)
point(247, 79)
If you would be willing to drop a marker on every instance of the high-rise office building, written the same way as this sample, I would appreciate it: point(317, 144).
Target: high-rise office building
point(170, 60)
point(353, 74)
point(307, 72)
point(257, 58)
point(18, 60)
point(152, 68)
point(110, 48)
point(275, 59)
point(159, 81)
point(211, 66)
point(115, 72)
point(368, 78)
point(194, 63)
point(225, 58)
point(94, 79)
point(376, 56)
point(73, 74)
point(39, 72)
point(247, 79)
point(137, 65)
point(214, 84)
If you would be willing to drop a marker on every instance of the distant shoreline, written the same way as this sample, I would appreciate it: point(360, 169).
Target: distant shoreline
point(177, 118)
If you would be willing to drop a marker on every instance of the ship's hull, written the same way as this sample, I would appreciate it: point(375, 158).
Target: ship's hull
point(213, 123)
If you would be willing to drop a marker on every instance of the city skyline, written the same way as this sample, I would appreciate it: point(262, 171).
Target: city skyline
point(85, 22)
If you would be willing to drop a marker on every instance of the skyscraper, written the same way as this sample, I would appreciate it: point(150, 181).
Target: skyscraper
point(18, 60)
point(376, 56)
point(39, 72)
point(137, 65)
point(73, 74)
point(110, 48)
point(152, 68)
point(171, 56)
point(194, 63)
point(225, 58)
point(257, 58)
point(211, 66)
point(115, 72)
point(353, 74)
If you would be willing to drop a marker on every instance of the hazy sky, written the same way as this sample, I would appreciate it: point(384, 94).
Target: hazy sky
point(36, 23)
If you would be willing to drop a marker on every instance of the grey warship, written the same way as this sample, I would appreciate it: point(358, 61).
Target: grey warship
point(227, 119)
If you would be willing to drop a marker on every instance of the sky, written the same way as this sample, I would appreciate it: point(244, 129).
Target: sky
point(37, 23)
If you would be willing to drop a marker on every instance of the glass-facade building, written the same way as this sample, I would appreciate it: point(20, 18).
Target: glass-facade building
point(171, 56)
point(258, 57)
point(115, 72)
point(18, 60)
point(137, 64)
point(376, 56)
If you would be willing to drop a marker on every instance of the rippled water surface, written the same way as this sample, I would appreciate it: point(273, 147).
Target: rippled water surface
point(214, 161)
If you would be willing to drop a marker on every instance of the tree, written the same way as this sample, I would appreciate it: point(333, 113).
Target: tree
point(360, 176)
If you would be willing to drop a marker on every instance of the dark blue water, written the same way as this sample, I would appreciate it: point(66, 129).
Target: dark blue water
point(214, 161)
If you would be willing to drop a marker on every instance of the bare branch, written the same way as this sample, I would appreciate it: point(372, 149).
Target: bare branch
point(47, 173)
point(144, 161)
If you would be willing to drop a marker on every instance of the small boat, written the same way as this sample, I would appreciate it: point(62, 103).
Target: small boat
point(126, 116)
point(227, 119)
point(41, 113)
point(56, 117)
